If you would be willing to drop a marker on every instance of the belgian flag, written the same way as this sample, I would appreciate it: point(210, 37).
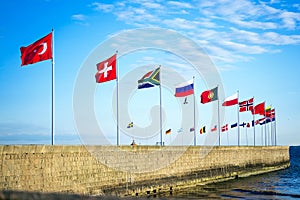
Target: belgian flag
point(202, 130)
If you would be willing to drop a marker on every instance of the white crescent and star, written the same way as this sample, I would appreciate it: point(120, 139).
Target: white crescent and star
point(44, 44)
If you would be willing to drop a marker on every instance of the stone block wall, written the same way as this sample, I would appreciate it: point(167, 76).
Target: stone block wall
point(128, 170)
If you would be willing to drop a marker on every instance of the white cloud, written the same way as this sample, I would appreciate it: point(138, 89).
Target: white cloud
point(152, 5)
point(290, 19)
point(242, 48)
point(254, 24)
point(180, 23)
point(246, 36)
point(79, 17)
point(230, 30)
point(266, 38)
point(179, 5)
point(136, 16)
point(221, 55)
point(103, 7)
point(274, 1)
point(228, 8)
point(296, 5)
point(227, 67)
point(278, 39)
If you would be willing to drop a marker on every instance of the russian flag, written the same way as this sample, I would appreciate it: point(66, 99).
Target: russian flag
point(185, 89)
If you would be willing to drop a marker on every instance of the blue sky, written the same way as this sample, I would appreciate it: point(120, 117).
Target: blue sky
point(254, 45)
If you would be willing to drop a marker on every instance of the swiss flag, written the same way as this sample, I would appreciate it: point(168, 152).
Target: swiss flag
point(37, 51)
point(107, 70)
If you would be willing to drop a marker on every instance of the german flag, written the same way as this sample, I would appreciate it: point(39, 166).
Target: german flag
point(168, 132)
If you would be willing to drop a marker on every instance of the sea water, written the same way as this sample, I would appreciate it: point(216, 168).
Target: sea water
point(283, 184)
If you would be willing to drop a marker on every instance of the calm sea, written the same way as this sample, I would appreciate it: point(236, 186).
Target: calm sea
point(284, 184)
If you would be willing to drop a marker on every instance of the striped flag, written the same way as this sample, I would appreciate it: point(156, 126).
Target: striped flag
point(231, 100)
point(168, 132)
point(184, 89)
point(214, 128)
point(233, 125)
point(202, 130)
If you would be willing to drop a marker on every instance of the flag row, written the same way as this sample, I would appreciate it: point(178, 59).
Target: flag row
point(253, 123)
point(225, 128)
point(106, 71)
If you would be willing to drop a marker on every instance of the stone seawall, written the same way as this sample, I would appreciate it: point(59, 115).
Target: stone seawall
point(127, 170)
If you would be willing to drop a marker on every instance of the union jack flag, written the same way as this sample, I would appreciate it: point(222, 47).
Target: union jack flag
point(246, 105)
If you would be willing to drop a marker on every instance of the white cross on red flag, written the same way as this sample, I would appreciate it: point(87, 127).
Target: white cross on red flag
point(107, 70)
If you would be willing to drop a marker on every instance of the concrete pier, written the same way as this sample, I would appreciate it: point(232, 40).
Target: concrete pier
point(130, 171)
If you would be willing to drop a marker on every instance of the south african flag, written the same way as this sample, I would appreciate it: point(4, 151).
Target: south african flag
point(150, 79)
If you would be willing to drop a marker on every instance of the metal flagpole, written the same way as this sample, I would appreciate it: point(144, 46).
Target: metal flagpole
point(253, 111)
point(262, 136)
point(195, 139)
point(246, 136)
point(271, 127)
point(275, 128)
point(253, 123)
point(272, 135)
point(219, 128)
point(161, 137)
point(265, 128)
point(238, 112)
point(268, 135)
point(117, 82)
point(52, 116)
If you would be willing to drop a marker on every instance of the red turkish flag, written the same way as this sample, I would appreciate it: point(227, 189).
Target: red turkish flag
point(107, 70)
point(37, 51)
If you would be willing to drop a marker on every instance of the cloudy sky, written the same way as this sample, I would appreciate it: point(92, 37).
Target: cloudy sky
point(254, 46)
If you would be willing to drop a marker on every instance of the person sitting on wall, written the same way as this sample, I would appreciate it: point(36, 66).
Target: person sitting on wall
point(133, 143)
